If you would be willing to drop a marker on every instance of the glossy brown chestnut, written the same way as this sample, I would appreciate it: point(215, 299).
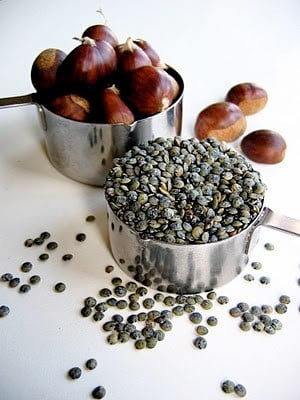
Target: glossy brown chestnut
point(225, 121)
point(264, 146)
point(130, 56)
point(44, 69)
point(71, 106)
point(102, 32)
point(88, 66)
point(148, 90)
point(113, 109)
point(248, 96)
point(151, 53)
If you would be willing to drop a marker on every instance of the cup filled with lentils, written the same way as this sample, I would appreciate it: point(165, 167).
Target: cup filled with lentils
point(182, 213)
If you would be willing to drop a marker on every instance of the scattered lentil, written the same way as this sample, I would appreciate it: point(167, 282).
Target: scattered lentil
point(60, 287)
point(45, 235)
point(211, 295)
point(284, 299)
point(120, 291)
point(189, 308)
point(256, 265)
point(75, 373)
point(43, 257)
point(223, 300)
point(247, 316)
point(212, 321)
point(258, 326)
point(266, 308)
point(67, 257)
point(235, 312)
point(14, 282)
point(240, 390)
point(166, 325)
point(99, 392)
point(38, 241)
point(169, 301)
point(228, 386)
point(195, 317)
point(98, 316)
point(276, 324)
point(249, 277)
point(24, 288)
point(52, 245)
point(264, 280)
point(269, 246)
point(7, 277)
point(80, 237)
point(109, 269)
point(86, 311)
point(4, 311)
point(116, 281)
point(121, 304)
point(207, 304)
point(112, 338)
point(140, 344)
point(200, 342)
point(90, 301)
point(28, 243)
point(91, 363)
point(105, 292)
point(201, 330)
point(34, 279)
point(281, 308)
point(178, 310)
point(148, 303)
point(243, 306)
point(26, 266)
point(90, 218)
point(245, 326)
point(131, 286)
point(159, 297)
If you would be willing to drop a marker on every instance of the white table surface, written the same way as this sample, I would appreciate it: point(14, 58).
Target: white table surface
point(214, 45)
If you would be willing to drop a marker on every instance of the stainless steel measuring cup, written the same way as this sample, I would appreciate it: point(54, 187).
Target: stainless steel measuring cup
point(189, 268)
point(84, 151)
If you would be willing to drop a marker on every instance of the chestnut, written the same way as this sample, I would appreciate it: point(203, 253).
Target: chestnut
point(130, 56)
point(113, 109)
point(102, 32)
point(44, 69)
point(250, 97)
point(225, 121)
point(264, 146)
point(71, 106)
point(151, 53)
point(148, 90)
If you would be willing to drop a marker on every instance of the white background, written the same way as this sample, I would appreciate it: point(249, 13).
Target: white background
point(214, 45)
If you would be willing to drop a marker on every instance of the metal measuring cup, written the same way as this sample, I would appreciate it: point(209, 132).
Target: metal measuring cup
point(85, 151)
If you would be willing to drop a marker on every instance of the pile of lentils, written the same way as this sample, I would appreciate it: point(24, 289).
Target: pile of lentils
point(184, 190)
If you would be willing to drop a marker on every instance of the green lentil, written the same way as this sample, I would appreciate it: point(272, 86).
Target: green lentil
point(169, 301)
point(4, 311)
point(189, 308)
point(195, 317)
point(90, 301)
point(86, 311)
point(190, 300)
point(105, 292)
point(14, 282)
point(206, 304)
point(178, 310)
point(240, 390)
point(131, 286)
point(59, 287)
point(28, 243)
point(121, 304)
point(67, 257)
point(34, 279)
point(120, 291)
point(90, 218)
point(147, 332)
point(102, 306)
point(43, 257)
point(249, 277)
point(211, 295)
point(180, 299)
point(256, 265)
point(151, 342)
point(212, 321)
point(26, 266)
point(99, 392)
point(142, 316)
point(265, 319)
point(159, 335)
point(264, 280)
point(228, 386)
point(75, 373)
point(109, 269)
point(7, 277)
point(52, 245)
point(223, 300)
point(258, 326)
point(255, 310)
point(235, 312)
point(111, 302)
point(245, 326)
point(91, 363)
point(284, 299)
point(45, 235)
point(148, 303)
point(270, 329)
point(166, 325)
point(80, 237)
point(281, 308)
point(123, 337)
point(141, 291)
point(247, 316)
point(136, 334)
point(38, 241)
point(140, 344)
point(98, 316)
point(109, 326)
point(243, 306)
point(269, 246)
point(266, 308)
point(200, 342)
point(276, 324)
point(116, 281)
point(134, 305)
point(201, 330)
point(159, 297)
point(112, 338)
point(24, 288)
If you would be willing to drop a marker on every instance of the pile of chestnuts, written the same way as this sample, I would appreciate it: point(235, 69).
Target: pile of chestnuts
point(104, 81)
point(226, 121)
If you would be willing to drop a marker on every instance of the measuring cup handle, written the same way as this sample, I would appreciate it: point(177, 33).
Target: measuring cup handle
point(281, 222)
point(18, 101)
